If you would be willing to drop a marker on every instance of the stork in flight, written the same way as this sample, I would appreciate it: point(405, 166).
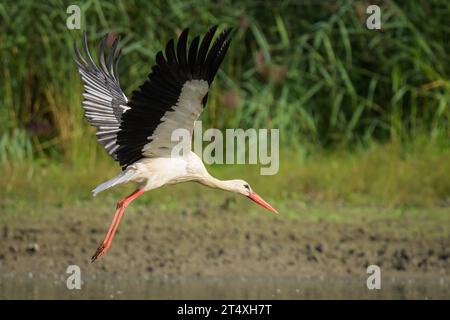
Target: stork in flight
point(137, 132)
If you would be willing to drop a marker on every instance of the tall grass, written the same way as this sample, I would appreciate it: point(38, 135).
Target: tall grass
point(310, 68)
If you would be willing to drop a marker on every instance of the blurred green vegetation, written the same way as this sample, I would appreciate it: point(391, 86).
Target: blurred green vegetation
point(310, 68)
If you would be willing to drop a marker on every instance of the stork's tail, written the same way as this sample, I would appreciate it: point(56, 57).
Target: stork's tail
point(123, 177)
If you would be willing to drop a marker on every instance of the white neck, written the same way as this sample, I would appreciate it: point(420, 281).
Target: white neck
point(202, 175)
point(214, 183)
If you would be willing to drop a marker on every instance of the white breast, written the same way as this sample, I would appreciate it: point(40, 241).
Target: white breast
point(153, 173)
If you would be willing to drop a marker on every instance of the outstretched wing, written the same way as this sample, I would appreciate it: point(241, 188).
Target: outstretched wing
point(172, 97)
point(104, 101)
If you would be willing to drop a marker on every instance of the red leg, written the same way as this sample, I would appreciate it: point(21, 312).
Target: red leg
point(121, 206)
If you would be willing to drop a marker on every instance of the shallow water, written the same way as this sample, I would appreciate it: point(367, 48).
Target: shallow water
point(43, 286)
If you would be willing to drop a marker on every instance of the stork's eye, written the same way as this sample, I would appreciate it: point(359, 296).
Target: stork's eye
point(246, 186)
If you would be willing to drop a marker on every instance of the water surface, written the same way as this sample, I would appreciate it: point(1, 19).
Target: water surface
point(43, 286)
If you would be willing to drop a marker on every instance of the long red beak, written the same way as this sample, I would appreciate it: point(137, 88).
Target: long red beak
point(254, 197)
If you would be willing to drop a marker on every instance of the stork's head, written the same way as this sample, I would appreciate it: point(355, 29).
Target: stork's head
point(242, 187)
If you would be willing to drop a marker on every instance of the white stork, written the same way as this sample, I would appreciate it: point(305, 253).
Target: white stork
point(137, 132)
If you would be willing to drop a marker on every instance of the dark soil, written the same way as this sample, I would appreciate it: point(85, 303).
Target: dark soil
point(221, 243)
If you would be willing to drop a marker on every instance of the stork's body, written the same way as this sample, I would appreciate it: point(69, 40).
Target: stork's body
point(152, 173)
point(138, 132)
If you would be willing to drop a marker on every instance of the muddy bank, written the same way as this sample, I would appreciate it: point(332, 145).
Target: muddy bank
point(223, 243)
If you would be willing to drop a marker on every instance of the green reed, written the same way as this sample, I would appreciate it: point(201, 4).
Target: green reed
point(313, 70)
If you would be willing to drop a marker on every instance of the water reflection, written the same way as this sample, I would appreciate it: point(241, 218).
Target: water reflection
point(54, 287)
